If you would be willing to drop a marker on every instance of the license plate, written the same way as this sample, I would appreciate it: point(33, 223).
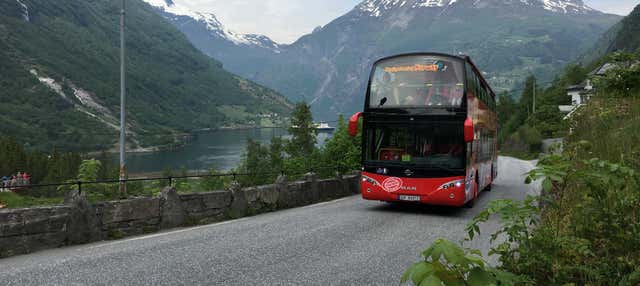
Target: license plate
point(409, 198)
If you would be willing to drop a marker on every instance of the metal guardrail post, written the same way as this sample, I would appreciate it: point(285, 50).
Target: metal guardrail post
point(79, 187)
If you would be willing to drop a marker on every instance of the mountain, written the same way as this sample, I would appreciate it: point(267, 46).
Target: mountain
point(59, 78)
point(509, 39)
point(628, 37)
point(623, 36)
point(209, 35)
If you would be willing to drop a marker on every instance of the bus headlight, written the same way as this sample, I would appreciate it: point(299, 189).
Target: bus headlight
point(382, 171)
point(451, 185)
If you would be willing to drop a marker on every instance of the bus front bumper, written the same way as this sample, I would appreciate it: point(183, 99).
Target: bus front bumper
point(450, 191)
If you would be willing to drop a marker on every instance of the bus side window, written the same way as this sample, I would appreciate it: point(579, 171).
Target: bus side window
point(470, 79)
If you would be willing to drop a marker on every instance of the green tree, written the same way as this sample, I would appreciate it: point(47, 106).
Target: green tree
point(548, 120)
point(624, 78)
point(88, 170)
point(575, 74)
point(302, 130)
point(277, 153)
point(256, 164)
point(342, 152)
point(526, 99)
point(214, 182)
point(506, 108)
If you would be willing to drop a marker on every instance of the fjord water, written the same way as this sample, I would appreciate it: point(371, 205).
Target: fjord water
point(222, 149)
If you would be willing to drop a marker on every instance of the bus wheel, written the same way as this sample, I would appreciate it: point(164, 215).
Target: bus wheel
point(488, 188)
point(470, 203)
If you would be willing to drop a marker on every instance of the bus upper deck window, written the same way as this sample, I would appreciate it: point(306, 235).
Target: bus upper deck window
point(417, 81)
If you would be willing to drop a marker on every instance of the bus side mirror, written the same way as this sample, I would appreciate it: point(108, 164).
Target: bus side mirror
point(468, 130)
point(353, 124)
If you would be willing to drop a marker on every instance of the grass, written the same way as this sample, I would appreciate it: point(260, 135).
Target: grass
point(13, 201)
point(610, 129)
point(595, 204)
point(110, 192)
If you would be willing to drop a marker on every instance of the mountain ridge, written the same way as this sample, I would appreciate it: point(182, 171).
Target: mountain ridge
point(508, 39)
point(376, 8)
point(623, 36)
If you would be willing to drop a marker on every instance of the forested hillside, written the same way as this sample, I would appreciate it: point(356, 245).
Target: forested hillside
point(523, 129)
point(624, 36)
point(59, 78)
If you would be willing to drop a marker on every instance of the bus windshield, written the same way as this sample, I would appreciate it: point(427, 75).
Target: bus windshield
point(430, 145)
point(417, 81)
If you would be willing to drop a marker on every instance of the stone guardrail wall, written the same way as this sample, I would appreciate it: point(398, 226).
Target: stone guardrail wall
point(77, 221)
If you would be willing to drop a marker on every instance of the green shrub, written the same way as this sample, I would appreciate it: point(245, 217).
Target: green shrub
point(622, 80)
point(445, 263)
point(526, 140)
point(12, 200)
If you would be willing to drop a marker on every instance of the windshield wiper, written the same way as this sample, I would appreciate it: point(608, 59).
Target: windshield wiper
point(382, 101)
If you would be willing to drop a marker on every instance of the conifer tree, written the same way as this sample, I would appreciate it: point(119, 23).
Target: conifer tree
point(302, 130)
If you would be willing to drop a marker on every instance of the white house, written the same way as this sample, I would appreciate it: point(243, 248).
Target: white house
point(582, 93)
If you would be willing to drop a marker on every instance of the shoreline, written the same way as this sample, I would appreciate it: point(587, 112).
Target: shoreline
point(160, 148)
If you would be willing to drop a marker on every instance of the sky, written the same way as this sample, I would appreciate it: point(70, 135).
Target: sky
point(285, 21)
point(620, 7)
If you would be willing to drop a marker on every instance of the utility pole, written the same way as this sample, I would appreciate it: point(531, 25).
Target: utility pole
point(534, 95)
point(123, 165)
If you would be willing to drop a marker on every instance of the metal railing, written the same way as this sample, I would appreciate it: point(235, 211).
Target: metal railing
point(172, 178)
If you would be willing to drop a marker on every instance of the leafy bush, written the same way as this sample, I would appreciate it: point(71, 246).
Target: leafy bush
point(588, 233)
point(299, 155)
point(209, 184)
point(526, 139)
point(624, 78)
point(445, 263)
point(13, 200)
point(609, 129)
point(583, 230)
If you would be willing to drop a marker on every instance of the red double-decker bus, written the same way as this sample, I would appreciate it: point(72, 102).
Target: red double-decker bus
point(429, 131)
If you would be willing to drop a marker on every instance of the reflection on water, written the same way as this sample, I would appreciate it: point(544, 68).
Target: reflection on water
point(222, 149)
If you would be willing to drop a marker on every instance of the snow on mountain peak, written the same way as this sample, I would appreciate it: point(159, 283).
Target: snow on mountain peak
point(213, 24)
point(377, 8)
point(566, 6)
point(170, 6)
point(25, 10)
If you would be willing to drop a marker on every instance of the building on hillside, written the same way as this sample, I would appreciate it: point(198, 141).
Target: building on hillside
point(602, 70)
point(581, 94)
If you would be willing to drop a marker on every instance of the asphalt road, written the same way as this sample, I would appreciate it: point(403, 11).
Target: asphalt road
point(344, 242)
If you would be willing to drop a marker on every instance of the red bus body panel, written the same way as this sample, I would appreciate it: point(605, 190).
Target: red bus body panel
point(385, 188)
